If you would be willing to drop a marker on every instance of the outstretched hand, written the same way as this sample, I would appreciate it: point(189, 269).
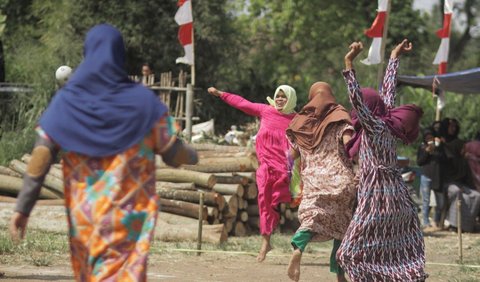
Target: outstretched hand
point(355, 49)
point(214, 91)
point(403, 47)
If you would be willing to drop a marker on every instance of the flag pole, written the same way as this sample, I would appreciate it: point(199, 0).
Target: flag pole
point(192, 67)
point(382, 48)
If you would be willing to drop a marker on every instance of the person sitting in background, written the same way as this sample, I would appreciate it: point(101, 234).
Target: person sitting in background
point(147, 75)
point(472, 154)
point(430, 156)
point(458, 179)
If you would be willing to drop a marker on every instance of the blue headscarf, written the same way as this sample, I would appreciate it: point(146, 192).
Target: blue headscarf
point(100, 111)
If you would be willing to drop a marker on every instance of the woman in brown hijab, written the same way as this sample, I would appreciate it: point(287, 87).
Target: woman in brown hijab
point(318, 134)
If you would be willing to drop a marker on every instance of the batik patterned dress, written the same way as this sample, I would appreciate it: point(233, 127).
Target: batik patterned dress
point(328, 186)
point(384, 241)
point(271, 148)
point(112, 208)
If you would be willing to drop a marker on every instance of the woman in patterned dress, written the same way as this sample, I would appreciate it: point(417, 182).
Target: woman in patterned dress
point(318, 134)
point(384, 241)
point(109, 129)
point(271, 147)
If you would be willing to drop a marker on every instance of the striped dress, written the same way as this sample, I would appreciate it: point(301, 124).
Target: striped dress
point(384, 241)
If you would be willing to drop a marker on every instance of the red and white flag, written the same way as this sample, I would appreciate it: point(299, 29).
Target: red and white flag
point(441, 58)
point(376, 32)
point(184, 19)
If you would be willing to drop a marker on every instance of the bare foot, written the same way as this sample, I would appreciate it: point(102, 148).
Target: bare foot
point(263, 251)
point(294, 265)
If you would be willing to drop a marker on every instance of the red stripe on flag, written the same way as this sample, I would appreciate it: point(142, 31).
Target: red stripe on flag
point(376, 30)
point(442, 68)
point(180, 2)
point(444, 32)
point(185, 34)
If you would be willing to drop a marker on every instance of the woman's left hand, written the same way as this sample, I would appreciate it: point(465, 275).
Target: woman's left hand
point(404, 47)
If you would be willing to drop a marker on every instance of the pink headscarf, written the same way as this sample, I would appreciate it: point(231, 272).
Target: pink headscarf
point(403, 121)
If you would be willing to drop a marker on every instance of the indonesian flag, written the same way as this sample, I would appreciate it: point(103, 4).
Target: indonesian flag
point(441, 58)
point(184, 19)
point(376, 32)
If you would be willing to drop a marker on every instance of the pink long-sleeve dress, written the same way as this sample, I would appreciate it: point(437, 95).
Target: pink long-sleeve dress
point(271, 147)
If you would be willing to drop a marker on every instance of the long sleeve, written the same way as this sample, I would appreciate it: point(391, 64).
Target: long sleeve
point(369, 122)
point(43, 155)
point(423, 157)
point(390, 83)
point(242, 104)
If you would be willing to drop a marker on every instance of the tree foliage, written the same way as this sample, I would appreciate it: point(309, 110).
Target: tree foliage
point(246, 47)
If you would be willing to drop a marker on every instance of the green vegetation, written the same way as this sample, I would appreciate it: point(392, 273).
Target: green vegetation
point(247, 47)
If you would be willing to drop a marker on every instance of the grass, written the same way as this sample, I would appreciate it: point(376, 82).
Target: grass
point(38, 248)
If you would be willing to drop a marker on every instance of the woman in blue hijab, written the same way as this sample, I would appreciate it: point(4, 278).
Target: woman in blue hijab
point(109, 129)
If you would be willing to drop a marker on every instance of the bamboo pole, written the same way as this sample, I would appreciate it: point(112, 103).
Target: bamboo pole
point(200, 223)
point(459, 226)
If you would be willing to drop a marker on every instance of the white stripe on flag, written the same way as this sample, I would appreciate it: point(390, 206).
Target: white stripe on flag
point(442, 53)
point(374, 56)
point(184, 13)
point(188, 58)
point(382, 5)
point(448, 8)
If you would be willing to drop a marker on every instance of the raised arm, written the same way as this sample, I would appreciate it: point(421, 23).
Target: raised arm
point(43, 155)
point(390, 78)
point(369, 122)
point(238, 102)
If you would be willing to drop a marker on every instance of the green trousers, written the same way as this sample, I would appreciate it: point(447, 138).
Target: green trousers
point(303, 237)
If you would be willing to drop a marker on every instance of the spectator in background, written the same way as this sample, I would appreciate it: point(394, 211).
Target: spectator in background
point(430, 156)
point(147, 74)
point(472, 154)
point(458, 179)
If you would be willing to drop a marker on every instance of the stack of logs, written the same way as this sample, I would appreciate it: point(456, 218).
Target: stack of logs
point(225, 175)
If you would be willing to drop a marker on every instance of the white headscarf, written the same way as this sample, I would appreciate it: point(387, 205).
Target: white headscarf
point(291, 99)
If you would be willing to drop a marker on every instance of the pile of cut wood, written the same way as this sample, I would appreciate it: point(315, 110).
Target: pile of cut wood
point(225, 175)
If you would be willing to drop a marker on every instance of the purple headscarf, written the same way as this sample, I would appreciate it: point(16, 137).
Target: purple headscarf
point(100, 112)
point(403, 121)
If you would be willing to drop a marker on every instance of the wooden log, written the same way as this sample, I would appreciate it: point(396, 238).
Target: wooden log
point(231, 178)
point(224, 165)
point(254, 221)
point(176, 186)
point(243, 216)
point(215, 154)
point(176, 219)
point(242, 204)
point(12, 185)
point(9, 172)
point(219, 148)
point(214, 234)
point(252, 176)
point(179, 175)
point(232, 206)
point(252, 210)
point(50, 181)
point(181, 208)
point(251, 191)
point(239, 229)
point(229, 224)
point(210, 198)
point(229, 189)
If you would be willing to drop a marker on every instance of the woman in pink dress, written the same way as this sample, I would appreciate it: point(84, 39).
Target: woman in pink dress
point(271, 147)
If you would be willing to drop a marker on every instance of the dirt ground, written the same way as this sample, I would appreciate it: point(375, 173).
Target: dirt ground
point(169, 263)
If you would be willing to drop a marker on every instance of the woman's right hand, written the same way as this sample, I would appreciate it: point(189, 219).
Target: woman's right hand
point(214, 91)
point(355, 49)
